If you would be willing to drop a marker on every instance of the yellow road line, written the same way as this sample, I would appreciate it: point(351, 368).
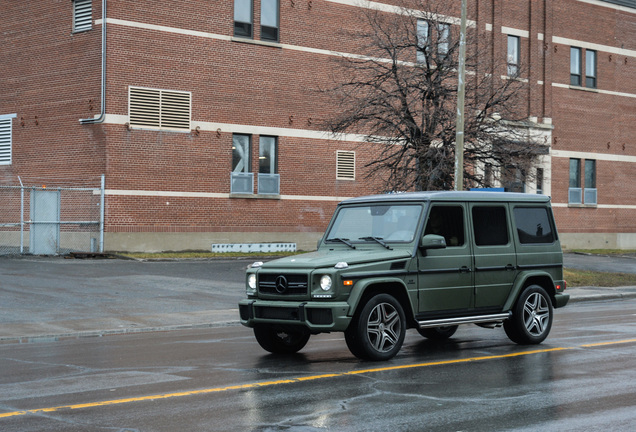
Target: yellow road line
point(299, 379)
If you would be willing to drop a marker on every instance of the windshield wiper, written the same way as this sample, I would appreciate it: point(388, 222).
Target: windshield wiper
point(378, 240)
point(342, 240)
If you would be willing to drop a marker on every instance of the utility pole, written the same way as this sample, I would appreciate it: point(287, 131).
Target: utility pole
point(459, 129)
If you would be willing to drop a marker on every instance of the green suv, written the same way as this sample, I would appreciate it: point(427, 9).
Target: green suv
point(424, 260)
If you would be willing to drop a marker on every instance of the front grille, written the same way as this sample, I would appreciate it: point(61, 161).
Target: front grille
point(283, 284)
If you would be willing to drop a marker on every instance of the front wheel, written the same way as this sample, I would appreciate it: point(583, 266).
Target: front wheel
point(531, 319)
point(281, 339)
point(377, 331)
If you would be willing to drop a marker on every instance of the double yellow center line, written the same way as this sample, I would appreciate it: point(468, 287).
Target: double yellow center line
point(299, 380)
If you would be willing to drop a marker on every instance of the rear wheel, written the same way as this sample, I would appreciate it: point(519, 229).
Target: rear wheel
point(438, 333)
point(281, 339)
point(377, 330)
point(531, 319)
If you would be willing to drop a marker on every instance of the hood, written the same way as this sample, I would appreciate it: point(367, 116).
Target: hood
point(329, 258)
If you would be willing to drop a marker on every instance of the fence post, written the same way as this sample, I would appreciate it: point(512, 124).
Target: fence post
point(21, 216)
point(101, 215)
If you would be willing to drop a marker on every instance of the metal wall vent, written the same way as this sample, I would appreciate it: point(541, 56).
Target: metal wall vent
point(161, 109)
point(82, 15)
point(345, 165)
point(5, 141)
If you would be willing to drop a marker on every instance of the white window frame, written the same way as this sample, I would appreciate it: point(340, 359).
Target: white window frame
point(82, 15)
point(6, 138)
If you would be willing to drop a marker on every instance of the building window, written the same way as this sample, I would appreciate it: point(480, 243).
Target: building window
point(513, 55)
point(268, 177)
point(345, 165)
point(423, 38)
point(243, 18)
point(160, 109)
point(269, 20)
point(6, 139)
point(590, 68)
point(587, 194)
point(589, 191)
point(488, 175)
point(242, 178)
point(443, 39)
point(540, 180)
point(82, 15)
point(574, 191)
point(575, 66)
point(514, 179)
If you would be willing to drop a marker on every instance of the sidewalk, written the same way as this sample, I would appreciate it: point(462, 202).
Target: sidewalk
point(45, 299)
point(37, 329)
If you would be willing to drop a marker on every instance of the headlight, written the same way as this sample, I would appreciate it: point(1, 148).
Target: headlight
point(251, 281)
point(325, 283)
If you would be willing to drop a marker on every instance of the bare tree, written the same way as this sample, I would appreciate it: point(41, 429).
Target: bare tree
point(402, 95)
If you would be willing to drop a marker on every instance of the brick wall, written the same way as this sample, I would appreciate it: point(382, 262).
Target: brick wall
point(50, 77)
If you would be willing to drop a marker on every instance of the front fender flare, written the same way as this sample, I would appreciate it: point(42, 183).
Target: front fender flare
point(361, 287)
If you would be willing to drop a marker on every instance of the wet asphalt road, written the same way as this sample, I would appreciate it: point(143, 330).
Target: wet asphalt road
point(583, 377)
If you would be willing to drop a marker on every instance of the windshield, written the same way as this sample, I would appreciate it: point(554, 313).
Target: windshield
point(390, 223)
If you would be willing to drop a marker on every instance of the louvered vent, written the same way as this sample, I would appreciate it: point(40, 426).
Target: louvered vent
point(82, 15)
point(161, 109)
point(345, 165)
point(5, 141)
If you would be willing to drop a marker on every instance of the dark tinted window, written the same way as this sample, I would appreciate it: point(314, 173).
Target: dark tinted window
point(447, 221)
point(533, 225)
point(490, 226)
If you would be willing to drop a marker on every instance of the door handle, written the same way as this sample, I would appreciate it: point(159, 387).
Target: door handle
point(510, 267)
point(464, 269)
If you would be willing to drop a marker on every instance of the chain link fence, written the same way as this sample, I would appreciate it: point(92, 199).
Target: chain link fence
point(51, 216)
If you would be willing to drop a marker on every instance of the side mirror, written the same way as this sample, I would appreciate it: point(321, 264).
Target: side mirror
point(432, 241)
point(318, 243)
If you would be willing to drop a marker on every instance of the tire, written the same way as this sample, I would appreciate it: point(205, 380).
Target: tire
point(438, 333)
point(377, 331)
point(281, 339)
point(531, 319)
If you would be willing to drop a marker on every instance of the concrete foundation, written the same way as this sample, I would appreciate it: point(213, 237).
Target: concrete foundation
point(598, 240)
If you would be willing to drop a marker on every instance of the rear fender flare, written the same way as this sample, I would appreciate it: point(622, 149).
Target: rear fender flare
point(524, 279)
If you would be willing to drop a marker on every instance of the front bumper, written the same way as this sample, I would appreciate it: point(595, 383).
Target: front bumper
point(317, 316)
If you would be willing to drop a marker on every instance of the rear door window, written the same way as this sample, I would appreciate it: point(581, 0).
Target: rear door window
point(489, 223)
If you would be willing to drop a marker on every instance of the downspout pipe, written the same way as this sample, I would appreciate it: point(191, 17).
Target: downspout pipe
point(103, 93)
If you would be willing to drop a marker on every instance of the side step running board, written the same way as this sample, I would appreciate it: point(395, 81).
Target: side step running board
point(478, 319)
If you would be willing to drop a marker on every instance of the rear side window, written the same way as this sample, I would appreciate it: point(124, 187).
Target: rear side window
point(533, 225)
point(490, 226)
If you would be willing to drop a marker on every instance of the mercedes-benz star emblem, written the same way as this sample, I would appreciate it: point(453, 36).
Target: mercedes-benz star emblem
point(281, 284)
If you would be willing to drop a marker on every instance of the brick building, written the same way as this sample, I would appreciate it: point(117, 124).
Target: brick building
point(204, 116)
